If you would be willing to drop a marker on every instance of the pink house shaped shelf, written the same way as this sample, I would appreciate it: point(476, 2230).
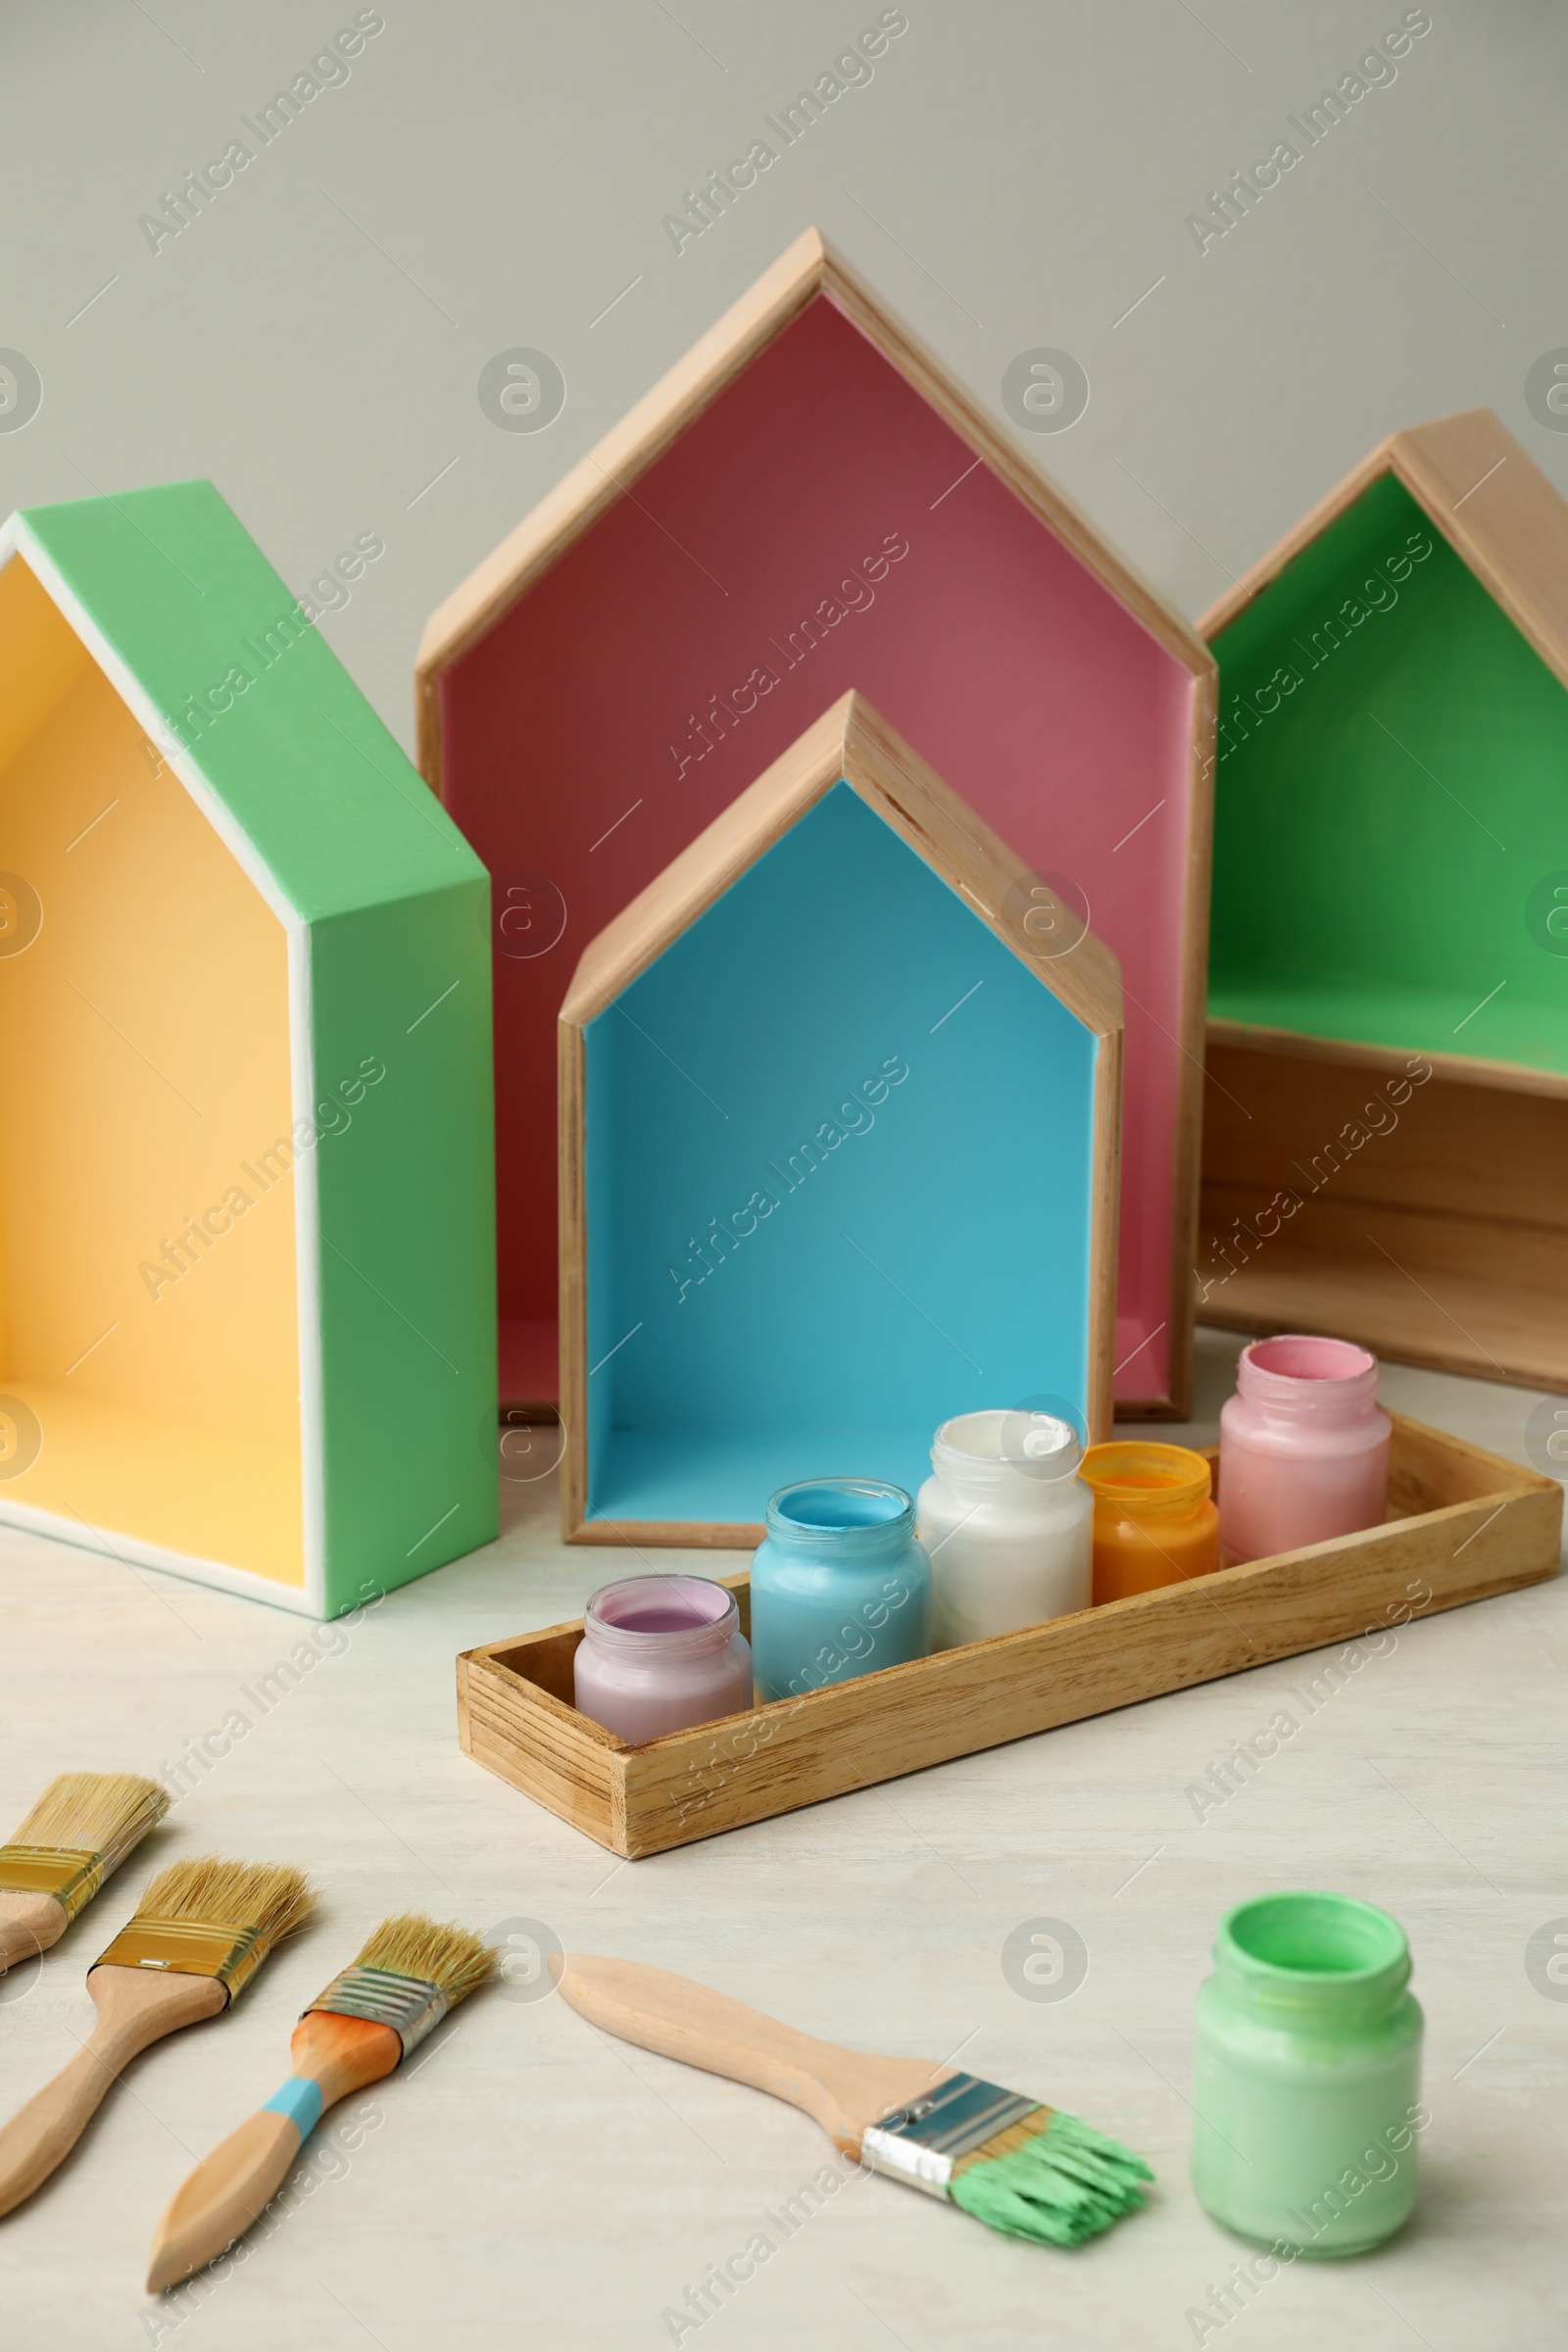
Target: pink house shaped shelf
point(810, 503)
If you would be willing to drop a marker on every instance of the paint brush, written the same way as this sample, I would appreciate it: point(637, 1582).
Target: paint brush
point(1020, 2167)
point(203, 1930)
point(80, 1829)
point(407, 1978)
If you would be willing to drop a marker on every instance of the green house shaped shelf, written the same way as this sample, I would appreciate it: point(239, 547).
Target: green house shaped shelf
point(1387, 1017)
point(840, 1098)
point(247, 1323)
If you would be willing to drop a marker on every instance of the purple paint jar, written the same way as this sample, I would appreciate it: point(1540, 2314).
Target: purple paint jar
point(660, 1653)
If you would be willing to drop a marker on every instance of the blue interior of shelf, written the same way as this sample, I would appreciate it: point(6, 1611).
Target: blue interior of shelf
point(839, 1179)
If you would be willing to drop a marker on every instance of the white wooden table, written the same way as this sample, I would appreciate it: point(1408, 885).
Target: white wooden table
point(529, 2182)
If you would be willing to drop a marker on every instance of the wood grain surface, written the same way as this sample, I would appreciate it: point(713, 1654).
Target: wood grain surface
point(1443, 1240)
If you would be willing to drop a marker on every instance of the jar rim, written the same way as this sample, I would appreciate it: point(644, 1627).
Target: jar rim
point(837, 1510)
point(712, 1611)
point(1307, 1363)
point(1312, 1941)
point(1139, 1474)
point(996, 1444)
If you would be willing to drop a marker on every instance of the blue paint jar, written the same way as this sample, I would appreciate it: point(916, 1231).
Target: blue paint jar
point(840, 1586)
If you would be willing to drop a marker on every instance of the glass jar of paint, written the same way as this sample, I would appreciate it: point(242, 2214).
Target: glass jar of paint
point(1007, 1524)
point(1154, 1521)
point(1308, 2086)
point(840, 1586)
point(659, 1654)
point(1304, 1447)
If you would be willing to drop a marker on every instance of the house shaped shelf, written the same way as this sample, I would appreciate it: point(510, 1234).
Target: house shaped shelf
point(810, 503)
point(838, 1100)
point(1389, 981)
point(246, 1260)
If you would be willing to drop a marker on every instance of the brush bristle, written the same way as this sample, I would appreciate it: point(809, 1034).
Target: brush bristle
point(1057, 2180)
point(412, 1944)
point(94, 1813)
point(272, 1898)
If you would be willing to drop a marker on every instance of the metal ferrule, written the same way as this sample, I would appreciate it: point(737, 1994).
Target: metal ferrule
point(408, 2004)
point(922, 2143)
point(189, 1947)
point(71, 1875)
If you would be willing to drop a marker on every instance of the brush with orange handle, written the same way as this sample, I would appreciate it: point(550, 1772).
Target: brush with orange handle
point(411, 1972)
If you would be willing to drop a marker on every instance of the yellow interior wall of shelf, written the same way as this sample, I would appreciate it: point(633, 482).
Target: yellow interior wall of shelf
point(144, 1056)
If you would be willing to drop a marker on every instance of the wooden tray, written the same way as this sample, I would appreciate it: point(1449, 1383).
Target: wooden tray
point(1462, 1525)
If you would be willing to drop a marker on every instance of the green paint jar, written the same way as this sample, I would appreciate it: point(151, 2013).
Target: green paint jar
point(1307, 2083)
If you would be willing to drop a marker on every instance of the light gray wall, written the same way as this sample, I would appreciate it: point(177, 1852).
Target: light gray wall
point(494, 173)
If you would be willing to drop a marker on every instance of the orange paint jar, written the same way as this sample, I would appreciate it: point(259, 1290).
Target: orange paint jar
point(1156, 1521)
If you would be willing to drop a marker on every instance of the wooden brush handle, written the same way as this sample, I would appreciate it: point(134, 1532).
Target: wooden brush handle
point(843, 2091)
point(29, 1924)
point(233, 2187)
point(219, 2201)
point(135, 2008)
point(340, 2054)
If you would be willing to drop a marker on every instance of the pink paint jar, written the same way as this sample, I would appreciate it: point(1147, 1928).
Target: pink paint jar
point(1303, 1447)
point(660, 1653)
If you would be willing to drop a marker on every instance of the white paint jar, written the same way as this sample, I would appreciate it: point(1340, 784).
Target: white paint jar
point(1008, 1523)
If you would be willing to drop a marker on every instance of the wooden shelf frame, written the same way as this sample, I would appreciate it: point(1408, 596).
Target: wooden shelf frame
point(1450, 1245)
point(850, 745)
point(1158, 1294)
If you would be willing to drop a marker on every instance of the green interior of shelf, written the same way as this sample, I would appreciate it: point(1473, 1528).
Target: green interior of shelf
point(1391, 858)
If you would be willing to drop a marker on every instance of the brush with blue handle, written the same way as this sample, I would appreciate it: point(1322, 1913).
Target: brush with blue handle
point(407, 1978)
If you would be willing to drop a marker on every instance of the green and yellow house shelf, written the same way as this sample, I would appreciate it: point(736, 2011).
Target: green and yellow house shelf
point(1386, 1133)
point(247, 1323)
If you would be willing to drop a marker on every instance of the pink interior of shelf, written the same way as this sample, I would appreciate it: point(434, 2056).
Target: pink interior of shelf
point(748, 579)
point(530, 1370)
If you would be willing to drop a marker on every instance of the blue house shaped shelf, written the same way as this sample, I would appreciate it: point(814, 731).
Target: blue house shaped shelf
point(840, 1097)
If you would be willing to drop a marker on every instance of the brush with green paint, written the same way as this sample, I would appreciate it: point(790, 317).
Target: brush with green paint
point(1020, 2167)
